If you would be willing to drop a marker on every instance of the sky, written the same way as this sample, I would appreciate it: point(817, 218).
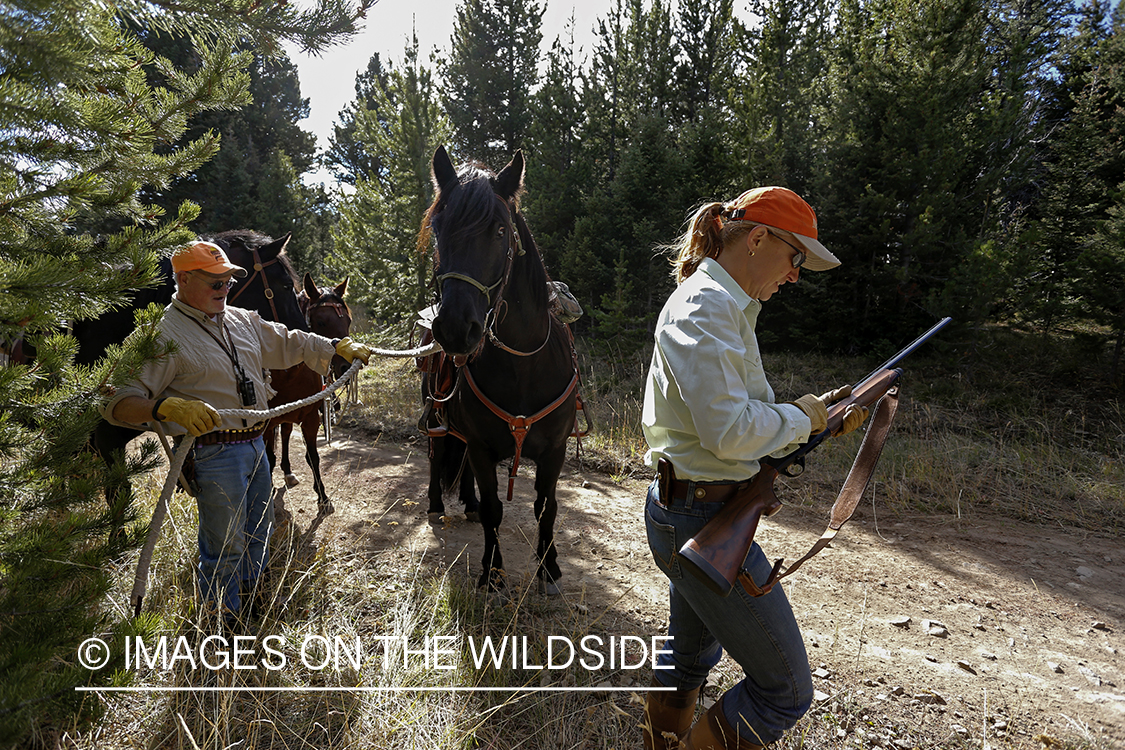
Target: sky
point(328, 81)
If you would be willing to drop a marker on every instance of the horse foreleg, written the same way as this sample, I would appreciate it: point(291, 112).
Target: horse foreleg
point(291, 479)
point(437, 470)
point(491, 514)
point(458, 462)
point(547, 473)
point(310, 427)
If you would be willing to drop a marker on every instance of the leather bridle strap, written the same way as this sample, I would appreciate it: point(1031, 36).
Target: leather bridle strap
point(519, 425)
point(258, 269)
point(850, 494)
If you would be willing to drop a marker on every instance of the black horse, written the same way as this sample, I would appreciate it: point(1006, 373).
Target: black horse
point(513, 357)
point(268, 289)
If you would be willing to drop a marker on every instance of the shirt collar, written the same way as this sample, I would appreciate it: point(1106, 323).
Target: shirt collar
point(195, 313)
point(711, 267)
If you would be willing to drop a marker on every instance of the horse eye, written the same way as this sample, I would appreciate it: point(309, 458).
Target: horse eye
point(501, 231)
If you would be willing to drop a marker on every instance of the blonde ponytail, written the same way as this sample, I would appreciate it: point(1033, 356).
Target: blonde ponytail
point(706, 236)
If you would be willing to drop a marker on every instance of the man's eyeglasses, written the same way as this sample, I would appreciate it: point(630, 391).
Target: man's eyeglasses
point(799, 258)
point(220, 285)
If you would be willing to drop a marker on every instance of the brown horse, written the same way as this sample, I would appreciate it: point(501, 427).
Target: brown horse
point(328, 315)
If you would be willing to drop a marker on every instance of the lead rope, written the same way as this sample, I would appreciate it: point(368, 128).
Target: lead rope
point(176, 460)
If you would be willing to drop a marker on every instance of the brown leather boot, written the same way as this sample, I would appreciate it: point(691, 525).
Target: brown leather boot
point(668, 715)
point(714, 732)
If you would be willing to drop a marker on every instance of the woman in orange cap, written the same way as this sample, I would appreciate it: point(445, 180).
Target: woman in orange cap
point(710, 414)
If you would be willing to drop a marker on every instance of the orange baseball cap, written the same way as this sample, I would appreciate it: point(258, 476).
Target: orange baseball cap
point(781, 208)
point(207, 257)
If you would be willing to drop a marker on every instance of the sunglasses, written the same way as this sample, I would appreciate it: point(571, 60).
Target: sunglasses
point(799, 258)
point(220, 285)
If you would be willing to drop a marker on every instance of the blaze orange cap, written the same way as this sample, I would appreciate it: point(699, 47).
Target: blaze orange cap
point(781, 208)
point(207, 257)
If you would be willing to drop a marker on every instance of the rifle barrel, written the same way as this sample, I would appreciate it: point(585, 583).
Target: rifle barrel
point(907, 351)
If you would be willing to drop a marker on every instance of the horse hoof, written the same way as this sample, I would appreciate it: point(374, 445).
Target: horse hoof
point(548, 588)
point(492, 581)
point(436, 517)
point(472, 515)
point(291, 480)
point(325, 509)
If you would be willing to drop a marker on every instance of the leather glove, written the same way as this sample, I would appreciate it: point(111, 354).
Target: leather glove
point(198, 417)
point(816, 408)
point(853, 418)
point(349, 350)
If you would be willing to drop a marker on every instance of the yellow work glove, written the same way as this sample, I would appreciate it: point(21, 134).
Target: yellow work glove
point(198, 417)
point(816, 407)
point(815, 410)
point(349, 350)
point(853, 418)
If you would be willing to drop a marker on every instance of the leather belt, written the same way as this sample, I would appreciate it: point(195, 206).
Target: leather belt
point(231, 436)
point(672, 489)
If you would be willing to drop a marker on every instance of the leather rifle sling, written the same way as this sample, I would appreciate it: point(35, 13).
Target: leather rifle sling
point(850, 494)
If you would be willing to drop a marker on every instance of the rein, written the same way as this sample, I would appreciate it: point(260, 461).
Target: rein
point(258, 269)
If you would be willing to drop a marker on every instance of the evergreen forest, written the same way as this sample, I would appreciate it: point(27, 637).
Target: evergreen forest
point(965, 158)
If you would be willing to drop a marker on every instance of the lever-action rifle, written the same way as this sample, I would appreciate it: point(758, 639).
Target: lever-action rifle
point(716, 553)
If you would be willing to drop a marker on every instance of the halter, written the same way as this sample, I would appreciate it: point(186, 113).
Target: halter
point(515, 248)
point(258, 266)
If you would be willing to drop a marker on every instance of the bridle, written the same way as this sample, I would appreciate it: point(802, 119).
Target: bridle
point(258, 269)
point(497, 305)
point(339, 307)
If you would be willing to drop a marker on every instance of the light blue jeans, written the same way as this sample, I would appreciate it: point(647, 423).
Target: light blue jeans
point(760, 634)
point(235, 518)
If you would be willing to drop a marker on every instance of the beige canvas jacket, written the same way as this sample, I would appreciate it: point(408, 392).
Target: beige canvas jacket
point(200, 369)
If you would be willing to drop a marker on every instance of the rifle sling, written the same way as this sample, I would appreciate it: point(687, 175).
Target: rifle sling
point(850, 494)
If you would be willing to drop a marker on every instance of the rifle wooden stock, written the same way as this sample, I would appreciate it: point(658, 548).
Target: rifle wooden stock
point(715, 555)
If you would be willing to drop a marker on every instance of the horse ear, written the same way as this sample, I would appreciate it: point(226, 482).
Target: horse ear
point(275, 248)
point(445, 176)
point(342, 288)
point(310, 288)
point(510, 180)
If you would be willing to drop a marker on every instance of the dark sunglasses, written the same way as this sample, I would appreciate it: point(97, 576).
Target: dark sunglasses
point(799, 258)
point(220, 285)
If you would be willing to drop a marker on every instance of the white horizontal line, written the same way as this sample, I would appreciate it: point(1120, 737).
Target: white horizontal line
point(249, 689)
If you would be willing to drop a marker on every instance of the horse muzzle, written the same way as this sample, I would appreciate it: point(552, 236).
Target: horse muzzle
point(458, 335)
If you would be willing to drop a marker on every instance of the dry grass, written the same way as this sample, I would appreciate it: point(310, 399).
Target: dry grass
point(1015, 448)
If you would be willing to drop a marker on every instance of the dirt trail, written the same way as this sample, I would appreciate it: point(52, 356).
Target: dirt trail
point(1013, 630)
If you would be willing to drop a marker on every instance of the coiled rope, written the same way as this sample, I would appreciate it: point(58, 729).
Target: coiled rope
point(176, 460)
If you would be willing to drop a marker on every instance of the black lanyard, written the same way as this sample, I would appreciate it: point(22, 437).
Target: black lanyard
point(240, 375)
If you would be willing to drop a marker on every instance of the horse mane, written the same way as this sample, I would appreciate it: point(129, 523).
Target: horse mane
point(470, 207)
point(250, 240)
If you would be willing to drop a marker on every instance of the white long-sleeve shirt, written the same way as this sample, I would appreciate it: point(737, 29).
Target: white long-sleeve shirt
point(708, 407)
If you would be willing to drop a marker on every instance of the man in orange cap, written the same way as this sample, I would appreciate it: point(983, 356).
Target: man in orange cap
point(709, 416)
point(220, 361)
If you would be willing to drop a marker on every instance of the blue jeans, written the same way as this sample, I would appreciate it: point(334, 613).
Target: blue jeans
point(760, 633)
point(235, 518)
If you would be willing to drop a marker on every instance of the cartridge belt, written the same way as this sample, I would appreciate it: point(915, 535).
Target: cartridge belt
point(232, 436)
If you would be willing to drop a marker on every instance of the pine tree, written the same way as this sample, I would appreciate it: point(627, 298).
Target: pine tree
point(896, 187)
point(376, 238)
point(79, 126)
point(490, 74)
point(1075, 190)
point(346, 156)
point(557, 168)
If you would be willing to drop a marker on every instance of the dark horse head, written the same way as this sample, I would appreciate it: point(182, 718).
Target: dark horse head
point(270, 285)
point(480, 236)
point(327, 314)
